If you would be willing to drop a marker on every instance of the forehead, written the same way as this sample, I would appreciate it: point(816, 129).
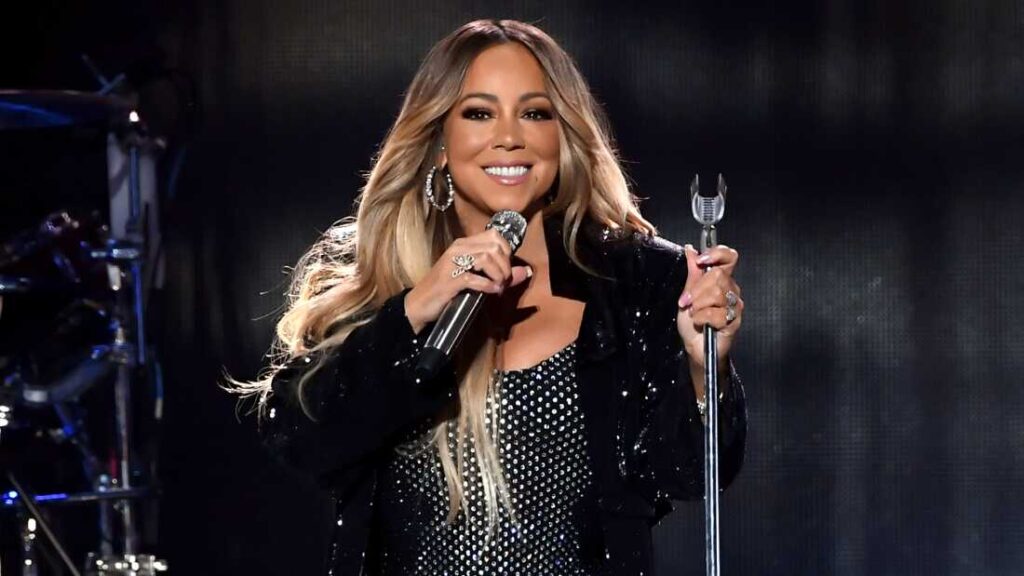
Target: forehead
point(504, 70)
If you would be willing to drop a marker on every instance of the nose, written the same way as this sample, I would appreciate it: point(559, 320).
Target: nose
point(508, 134)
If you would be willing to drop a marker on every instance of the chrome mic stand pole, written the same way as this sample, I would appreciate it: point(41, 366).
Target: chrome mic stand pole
point(708, 211)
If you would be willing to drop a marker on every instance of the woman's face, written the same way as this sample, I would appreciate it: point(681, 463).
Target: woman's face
point(501, 137)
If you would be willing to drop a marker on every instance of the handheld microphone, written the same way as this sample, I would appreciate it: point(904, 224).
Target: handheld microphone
point(456, 317)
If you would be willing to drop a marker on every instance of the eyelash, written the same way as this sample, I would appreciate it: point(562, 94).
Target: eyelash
point(484, 114)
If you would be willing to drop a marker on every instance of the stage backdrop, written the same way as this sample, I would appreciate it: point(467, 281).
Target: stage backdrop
point(875, 172)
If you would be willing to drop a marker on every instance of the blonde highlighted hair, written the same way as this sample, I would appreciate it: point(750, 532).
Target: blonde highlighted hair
point(396, 237)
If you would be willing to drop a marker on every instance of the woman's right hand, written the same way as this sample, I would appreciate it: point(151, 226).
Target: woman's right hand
point(492, 273)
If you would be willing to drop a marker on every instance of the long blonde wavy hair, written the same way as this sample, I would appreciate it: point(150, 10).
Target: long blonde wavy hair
point(395, 238)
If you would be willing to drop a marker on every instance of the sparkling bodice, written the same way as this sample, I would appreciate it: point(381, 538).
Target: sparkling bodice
point(541, 446)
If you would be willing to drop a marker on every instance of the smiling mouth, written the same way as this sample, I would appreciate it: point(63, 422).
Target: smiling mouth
point(507, 171)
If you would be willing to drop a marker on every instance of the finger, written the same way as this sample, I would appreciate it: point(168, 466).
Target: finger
point(719, 256)
point(484, 243)
point(716, 281)
point(693, 271)
point(521, 274)
point(504, 263)
point(700, 318)
point(492, 267)
point(702, 312)
point(487, 258)
point(716, 318)
point(708, 283)
point(499, 241)
point(488, 240)
point(714, 298)
point(496, 249)
point(473, 282)
point(707, 300)
point(503, 242)
point(727, 283)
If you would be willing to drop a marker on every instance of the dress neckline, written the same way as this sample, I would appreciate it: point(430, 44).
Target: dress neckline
point(564, 350)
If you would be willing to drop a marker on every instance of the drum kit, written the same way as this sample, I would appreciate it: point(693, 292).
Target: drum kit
point(80, 385)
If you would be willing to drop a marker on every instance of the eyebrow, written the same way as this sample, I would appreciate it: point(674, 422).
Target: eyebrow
point(493, 98)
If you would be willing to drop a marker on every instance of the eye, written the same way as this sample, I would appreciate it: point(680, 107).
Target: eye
point(476, 114)
point(537, 114)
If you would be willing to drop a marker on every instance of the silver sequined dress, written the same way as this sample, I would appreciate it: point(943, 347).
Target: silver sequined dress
point(542, 452)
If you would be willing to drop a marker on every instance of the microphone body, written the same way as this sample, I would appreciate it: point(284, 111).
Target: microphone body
point(458, 315)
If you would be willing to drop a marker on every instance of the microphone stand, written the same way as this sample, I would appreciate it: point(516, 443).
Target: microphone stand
point(708, 211)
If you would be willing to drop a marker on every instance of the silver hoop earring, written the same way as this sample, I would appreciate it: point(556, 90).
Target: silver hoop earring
point(428, 189)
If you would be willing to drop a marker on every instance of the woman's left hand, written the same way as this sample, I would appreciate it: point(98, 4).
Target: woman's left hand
point(706, 300)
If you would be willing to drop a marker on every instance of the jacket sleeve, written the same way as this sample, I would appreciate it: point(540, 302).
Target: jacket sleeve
point(363, 395)
point(670, 447)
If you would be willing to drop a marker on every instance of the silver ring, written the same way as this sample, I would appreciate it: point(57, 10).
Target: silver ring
point(463, 264)
point(731, 299)
point(730, 306)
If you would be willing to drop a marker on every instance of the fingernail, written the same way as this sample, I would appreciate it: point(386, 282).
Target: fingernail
point(529, 271)
point(704, 259)
point(685, 301)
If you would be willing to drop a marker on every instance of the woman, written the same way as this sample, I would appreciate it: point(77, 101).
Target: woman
point(568, 419)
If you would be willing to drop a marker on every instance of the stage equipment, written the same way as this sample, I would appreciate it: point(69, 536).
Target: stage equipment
point(73, 295)
point(708, 211)
point(30, 109)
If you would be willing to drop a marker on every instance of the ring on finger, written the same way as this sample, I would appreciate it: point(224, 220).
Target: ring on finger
point(730, 306)
point(463, 264)
point(731, 299)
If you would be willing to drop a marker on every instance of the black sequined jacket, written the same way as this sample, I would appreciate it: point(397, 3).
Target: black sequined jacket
point(644, 433)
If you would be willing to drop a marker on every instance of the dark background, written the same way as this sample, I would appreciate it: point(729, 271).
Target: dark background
point(874, 156)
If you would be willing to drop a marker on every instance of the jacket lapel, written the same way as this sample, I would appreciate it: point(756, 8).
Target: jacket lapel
point(621, 533)
point(598, 335)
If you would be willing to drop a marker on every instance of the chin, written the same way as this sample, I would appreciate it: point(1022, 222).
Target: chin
point(523, 206)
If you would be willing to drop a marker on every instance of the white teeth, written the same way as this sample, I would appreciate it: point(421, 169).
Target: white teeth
point(506, 171)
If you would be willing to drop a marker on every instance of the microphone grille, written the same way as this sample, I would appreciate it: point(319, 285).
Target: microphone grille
point(511, 225)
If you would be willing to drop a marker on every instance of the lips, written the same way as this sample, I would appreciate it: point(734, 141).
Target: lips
point(508, 175)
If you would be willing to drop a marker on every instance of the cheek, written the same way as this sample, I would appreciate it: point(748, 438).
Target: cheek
point(545, 142)
point(471, 142)
point(464, 140)
point(547, 149)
